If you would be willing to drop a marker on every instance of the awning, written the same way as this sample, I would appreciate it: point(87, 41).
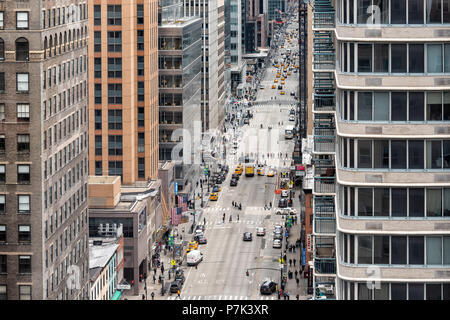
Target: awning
point(117, 295)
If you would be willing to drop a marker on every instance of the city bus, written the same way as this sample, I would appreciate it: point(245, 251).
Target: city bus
point(289, 132)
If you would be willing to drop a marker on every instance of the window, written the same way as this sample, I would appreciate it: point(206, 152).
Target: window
point(381, 57)
point(23, 173)
point(141, 167)
point(434, 154)
point(2, 21)
point(97, 67)
point(115, 145)
point(24, 233)
point(114, 15)
point(114, 41)
point(24, 264)
point(398, 105)
point(141, 91)
point(140, 14)
point(398, 12)
point(434, 202)
point(98, 93)
point(115, 168)
point(398, 250)
point(3, 264)
point(398, 291)
point(364, 58)
point(434, 58)
point(140, 39)
point(399, 202)
point(97, 15)
point(398, 56)
point(141, 118)
point(364, 106)
point(98, 145)
point(398, 154)
point(381, 154)
point(365, 249)
point(416, 106)
point(115, 93)
point(381, 249)
point(381, 202)
point(415, 291)
point(3, 236)
point(114, 67)
point(416, 250)
point(97, 119)
point(22, 20)
point(365, 202)
point(22, 49)
point(416, 202)
point(97, 41)
point(3, 202)
point(98, 168)
point(115, 119)
point(23, 143)
point(140, 65)
point(434, 106)
point(141, 141)
point(364, 154)
point(2, 49)
point(2, 143)
point(434, 250)
point(433, 11)
point(24, 203)
point(24, 292)
point(416, 58)
point(21, 82)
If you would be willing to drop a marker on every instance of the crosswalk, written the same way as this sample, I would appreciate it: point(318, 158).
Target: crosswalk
point(247, 210)
point(220, 297)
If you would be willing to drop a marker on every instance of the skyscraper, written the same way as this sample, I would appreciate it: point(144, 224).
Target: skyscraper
point(43, 150)
point(382, 145)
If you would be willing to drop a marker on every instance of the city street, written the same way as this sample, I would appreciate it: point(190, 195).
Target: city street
point(226, 257)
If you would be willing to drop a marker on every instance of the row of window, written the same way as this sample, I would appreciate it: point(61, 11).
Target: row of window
point(57, 74)
point(395, 154)
point(22, 49)
point(21, 18)
point(115, 168)
point(22, 113)
point(22, 82)
point(396, 250)
point(58, 16)
point(22, 145)
point(413, 58)
point(394, 11)
point(395, 291)
point(114, 93)
point(23, 201)
point(395, 106)
point(24, 292)
point(64, 184)
point(59, 217)
point(23, 237)
point(64, 100)
point(58, 132)
point(395, 202)
point(52, 46)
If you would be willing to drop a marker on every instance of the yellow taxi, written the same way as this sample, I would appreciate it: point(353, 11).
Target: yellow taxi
point(275, 81)
point(238, 170)
point(278, 75)
point(282, 93)
point(192, 245)
point(274, 86)
point(282, 82)
point(260, 171)
point(282, 78)
point(289, 73)
point(270, 173)
point(282, 64)
point(213, 196)
point(277, 65)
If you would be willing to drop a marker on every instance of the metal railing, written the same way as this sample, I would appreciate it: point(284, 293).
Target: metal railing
point(325, 265)
point(324, 184)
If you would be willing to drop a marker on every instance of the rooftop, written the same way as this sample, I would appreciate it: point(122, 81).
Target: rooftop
point(99, 256)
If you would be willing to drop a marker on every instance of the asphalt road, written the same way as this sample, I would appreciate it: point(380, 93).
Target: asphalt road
point(222, 274)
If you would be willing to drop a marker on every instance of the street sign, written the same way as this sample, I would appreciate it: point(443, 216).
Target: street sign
point(304, 257)
point(173, 262)
point(176, 188)
point(308, 242)
point(123, 287)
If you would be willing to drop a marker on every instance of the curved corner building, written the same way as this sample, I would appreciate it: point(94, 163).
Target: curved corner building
point(385, 128)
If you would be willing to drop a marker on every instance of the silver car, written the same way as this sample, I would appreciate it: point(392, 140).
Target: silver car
point(260, 231)
point(276, 244)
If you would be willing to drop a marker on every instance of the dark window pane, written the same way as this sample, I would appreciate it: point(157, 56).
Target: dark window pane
point(365, 58)
point(434, 202)
point(364, 105)
point(433, 291)
point(365, 202)
point(362, 6)
point(434, 154)
point(399, 202)
point(398, 102)
point(416, 58)
point(381, 58)
point(398, 154)
point(381, 202)
point(434, 106)
point(415, 11)
point(415, 291)
point(364, 293)
point(416, 202)
point(416, 250)
point(364, 153)
point(416, 154)
point(398, 12)
point(381, 153)
point(398, 58)
point(398, 250)
point(398, 291)
point(434, 11)
point(365, 249)
point(381, 249)
point(416, 106)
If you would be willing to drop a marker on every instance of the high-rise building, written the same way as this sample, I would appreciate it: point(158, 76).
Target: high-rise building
point(123, 135)
point(256, 25)
point(212, 13)
point(43, 150)
point(276, 7)
point(233, 44)
point(123, 85)
point(382, 145)
point(180, 63)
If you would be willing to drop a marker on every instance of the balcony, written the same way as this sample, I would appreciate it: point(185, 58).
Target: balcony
point(325, 265)
point(325, 102)
point(324, 216)
point(323, 51)
point(325, 290)
point(324, 140)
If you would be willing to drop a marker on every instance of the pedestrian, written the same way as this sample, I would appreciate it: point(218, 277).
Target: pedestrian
point(162, 268)
point(297, 296)
point(154, 278)
point(178, 294)
point(153, 295)
point(290, 262)
point(296, 273)
point(238, 217)
point(143, 296)
point(154, 271)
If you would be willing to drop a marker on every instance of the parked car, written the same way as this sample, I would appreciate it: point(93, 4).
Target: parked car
point(233, 183)
point(286, 211)
point(200, 227)
point(216, 189)
point(175, 286)
point(276, 244)
point(179, 275)
point(277, 227)
point(235, 176)
point(200, 239)
point(246, 121)
point(194, 258)
point(277, 235)
point(247, 236)
point(284, 193)
point(260, 231)
point(268, 287)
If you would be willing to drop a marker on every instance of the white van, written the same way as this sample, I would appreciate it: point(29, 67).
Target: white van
point(194, 257)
